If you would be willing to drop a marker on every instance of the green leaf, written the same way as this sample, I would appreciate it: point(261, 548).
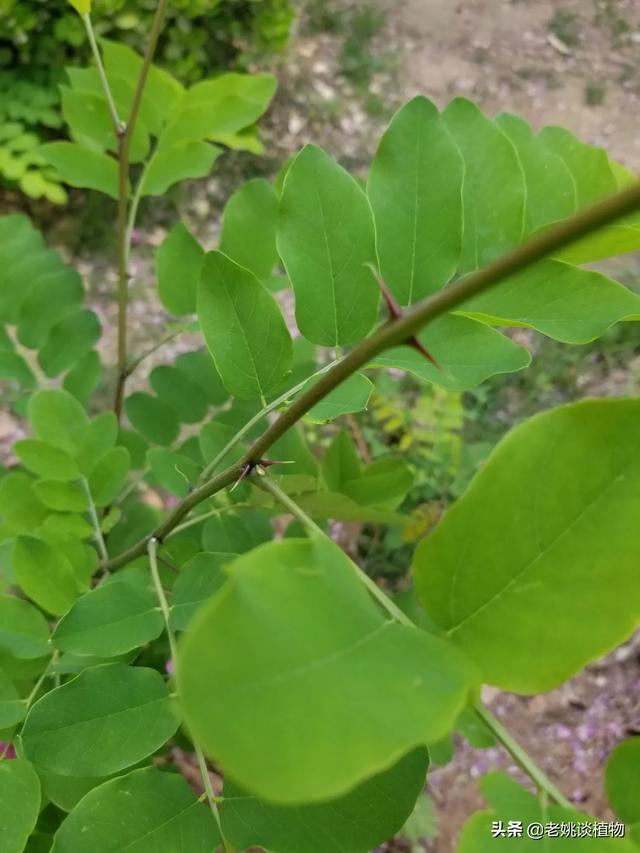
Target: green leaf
point(110, 620)
point(243, 328)
point(380, 483)
point(19, 804)
point(14, 367)
point(45, 574)
point(227, 104)
point(57, 417)
point(12, 707)
point(199, 579)
point(19, 505)
point(46, 459)
point(48, 300)
point(494, 187)
point(325, 239)
point(352, 395)
point(604, 243)
point(146, 811)
point(358, 822)
point(171, 165)
point(341, 462)
point(561, 301)
point(213, 438)
point(249, 227)
point(551, 189)
point(64, 497)
point(184, 395)
point(99, 437)
point(467, 351)
point(83, 167)
point(65, 792)
point(109, 476)
point(83, 378)
point(154, 419)
point(178, 264)
point(415, 190)
point(542, 538)
point(68, 342)
point(102, 707)
point(23, 629)
point(589, 165)
point(82, 7)
point(311, 698)
point(227, 534)
point(623, 780)
point(343, 508)
point(199, 367)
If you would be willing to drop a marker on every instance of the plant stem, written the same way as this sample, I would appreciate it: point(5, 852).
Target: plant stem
point(150, 351)
point(198, 519)
point(380, 596)
point(29, 700)
point(125, 223)
point(395, 333)
point(95, 521)
point(152, 550)
point(519, 754)
point(118, 124)
point(211, 467)
point(522, 757)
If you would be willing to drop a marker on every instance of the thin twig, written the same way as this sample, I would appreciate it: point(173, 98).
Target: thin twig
point(118, 124)
point(393, 334)
point(95, 521)
point(152, 550)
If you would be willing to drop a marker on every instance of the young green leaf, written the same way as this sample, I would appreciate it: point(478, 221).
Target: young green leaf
point(83, 167)
point(23, 629)
point(46, 459)
point(178, 264)
point(173, 471)
point(243, 328)
point(357, 822)
point(110, 620)
point(57, 417)
point(185, 396)
point(83, 378)
point(623, 780)
point(199, 367)
point(64, 497)
point(544, 536)
point(383, 482)
point(341, 462)
point(45, 574)
point(309, 696)
point(326, 239)
point(102, 707)
point(352, 395)
point(19, 804)
point(169, 166)
point(494, 187)
point(146, 811)
point(249, 227)
point(99, 437)
point(109, 475)
point(589, 165)
point(69, 341)
point(415, 190)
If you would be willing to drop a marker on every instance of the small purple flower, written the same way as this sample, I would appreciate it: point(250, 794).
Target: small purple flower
point(169, 667)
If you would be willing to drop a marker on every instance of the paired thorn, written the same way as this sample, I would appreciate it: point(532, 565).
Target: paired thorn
point(395, 312)
point(259, 466)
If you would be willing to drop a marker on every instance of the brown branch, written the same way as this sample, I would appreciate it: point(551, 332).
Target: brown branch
point(395, 333)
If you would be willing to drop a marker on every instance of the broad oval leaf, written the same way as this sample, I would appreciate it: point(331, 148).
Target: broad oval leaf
point(350, 396)
point(310, 695)
point(249, 227)
point(178, 264)
point(19, 804)
point(68, 341)
point(243, 328)
point(588, 164)
point(494, 186)
point(45, 574)
point(12, 707)
point(83, 167)
point(46, 459)
point(183, 394)
point(23, 629)
point(152, 417)
point(109, 475)
point(86, 727)
point(544, 536)
point(110, 620)
point(357, 822)
point(57, 417)
point(623, 780)
point(415, 189)
point(326, 239)
point(146, 811)
point(199, 579)
point(171, 165)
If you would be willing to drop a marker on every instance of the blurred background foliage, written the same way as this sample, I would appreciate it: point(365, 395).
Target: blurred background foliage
point(38, 38)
